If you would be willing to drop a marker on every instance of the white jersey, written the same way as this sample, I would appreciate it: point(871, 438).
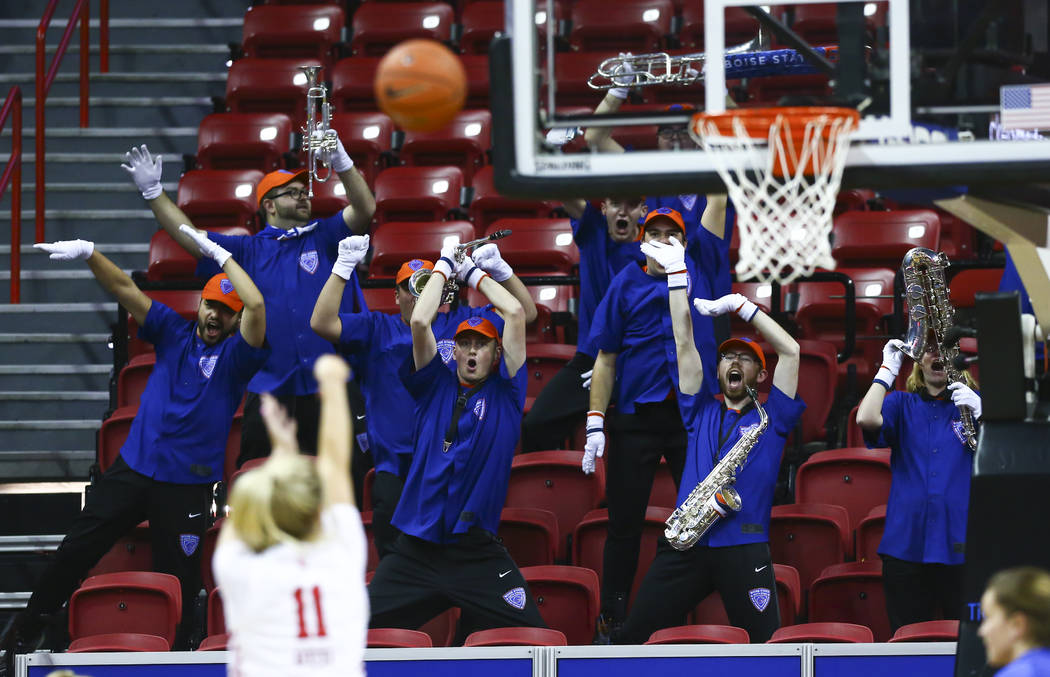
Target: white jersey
point(298, 609)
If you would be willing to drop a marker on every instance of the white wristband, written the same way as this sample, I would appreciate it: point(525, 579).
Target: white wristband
point(475, 276)
point(886, 377)
point(679, 280)
point(747, 311)
point(443, 266)
point(595, 421)
point(619, 92)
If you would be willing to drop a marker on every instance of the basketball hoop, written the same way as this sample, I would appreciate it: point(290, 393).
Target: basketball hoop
point(782, 167)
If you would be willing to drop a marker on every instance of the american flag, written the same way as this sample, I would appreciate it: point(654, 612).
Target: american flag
point(1025, 106)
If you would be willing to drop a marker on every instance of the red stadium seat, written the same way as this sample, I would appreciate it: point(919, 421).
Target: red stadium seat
point(809, 537)
point(133, 378)
point(113, 434)
point(481, 21)
point(552, 480)
point(869, 534)
point(739, 26)
point(216, 616)
point(711, 610)
point(129, 601)
point(352, 84)
point(329, 196)
point(244, 141)
point(664, 494)
point(214, 643)
point(397, 638)
point(638, 26)
point(395, 242)
point(516, 637)
point(816, 384)
point(211, 538)
point(700, 634)
point(846, 633)
point(381, 299)
point(118, 641)
point(567, 598)
point(571, 71)
point(588, 542)
point(817, 23)
point(530, 535)
point(132, 552)
point(465, 142)
point(220, 198)
point(856, 479)
point(366, 137)
point(169, 261)
point(958, 238)
point(927, 631)
point(299, 32)
point(760, 293)
point(851, 593)
point(881, 239)
point(366, 489)
point(489, 205)
point(855, 199)
point(269, 86)
point(183, 301)
point(538, 246)
point(418, 194)
point(768, 91)
point(442, 628)
point(544, 361)
point(378, 26)
point(478, 76)
point(373, 553)
point(965, 285)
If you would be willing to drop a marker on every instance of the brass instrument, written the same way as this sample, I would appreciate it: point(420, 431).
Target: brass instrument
point(929, 308)
point(419, 278)
point(319, 139)
point(715, 497)
point(661, 68)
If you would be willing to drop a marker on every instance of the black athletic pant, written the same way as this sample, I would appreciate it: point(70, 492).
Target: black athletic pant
point(636, 442)
point(386, 492)
point(915, 591)
point(560, 407)
point(419, 579)
point(178, 518)
point(678, 581)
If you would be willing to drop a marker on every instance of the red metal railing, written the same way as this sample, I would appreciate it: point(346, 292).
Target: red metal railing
point(12, 175)
point(46, 76)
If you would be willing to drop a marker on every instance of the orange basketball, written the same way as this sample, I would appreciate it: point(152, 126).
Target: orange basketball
point(421, 85)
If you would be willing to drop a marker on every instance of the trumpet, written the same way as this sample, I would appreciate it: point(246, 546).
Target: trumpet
point(660, 68)
point(319, 139)
point(419, 279)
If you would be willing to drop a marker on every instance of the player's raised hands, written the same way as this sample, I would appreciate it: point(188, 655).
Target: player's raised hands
point(145, 170)
point(730, 303)
point(488, 258)
point(352, 251)
point(67, 250)
point(208, 248)
point(964, 396)
point(280, 427)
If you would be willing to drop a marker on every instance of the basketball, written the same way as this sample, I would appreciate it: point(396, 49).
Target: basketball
point(421, 85)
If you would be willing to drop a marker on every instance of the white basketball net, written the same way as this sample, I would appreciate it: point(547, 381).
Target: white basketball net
point(784, 221)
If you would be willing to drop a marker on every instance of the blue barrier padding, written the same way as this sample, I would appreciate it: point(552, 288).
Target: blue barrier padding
point(738, 666)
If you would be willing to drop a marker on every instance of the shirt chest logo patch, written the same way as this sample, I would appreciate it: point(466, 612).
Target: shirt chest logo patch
point(480, 408)
point(445, 347)
point(688, 201)
point(515, 597)
point(957, 428)
point(308, 261)
point(207, 364)
point(759, 598)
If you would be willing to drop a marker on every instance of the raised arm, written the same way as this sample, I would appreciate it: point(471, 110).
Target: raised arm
point(574, 208)
point(335, 436)
point(358, 214)
point(325, 318)
point(424, 346)
point(714, 217)
point(671, 256)
point(145, 171)
point(513, 318)
point(253, 315)
point(599, 139)
point(869, 412)
point(113, 279)
point(487, 258)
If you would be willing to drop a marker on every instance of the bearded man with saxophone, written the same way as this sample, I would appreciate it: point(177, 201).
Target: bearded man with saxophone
point(738, 443)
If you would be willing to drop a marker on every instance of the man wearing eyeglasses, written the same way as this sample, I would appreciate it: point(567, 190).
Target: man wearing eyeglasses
point(733, 557)
point(289, 259)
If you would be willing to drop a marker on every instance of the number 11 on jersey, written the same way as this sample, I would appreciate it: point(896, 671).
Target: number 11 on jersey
point(302, 612)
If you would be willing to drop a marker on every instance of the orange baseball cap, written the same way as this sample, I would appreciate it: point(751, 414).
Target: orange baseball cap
point(478, 325)
point(746, 344)
point(219, 288)
point(409, 267)
point(671, 215)
point(275, 179)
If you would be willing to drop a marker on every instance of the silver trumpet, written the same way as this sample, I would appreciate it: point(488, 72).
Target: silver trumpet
point(661, 68)
point(319, 139)
point(419, 279)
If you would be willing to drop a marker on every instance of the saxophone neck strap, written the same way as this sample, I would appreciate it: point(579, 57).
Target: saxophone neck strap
point(724, 437)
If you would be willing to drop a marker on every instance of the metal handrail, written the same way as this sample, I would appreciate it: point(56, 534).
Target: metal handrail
point(13, 174)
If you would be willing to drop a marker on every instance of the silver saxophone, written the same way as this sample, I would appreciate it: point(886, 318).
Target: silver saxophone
point(929, 309)
point(715, 496)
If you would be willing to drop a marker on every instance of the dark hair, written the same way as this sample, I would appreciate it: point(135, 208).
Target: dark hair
point(1025, 590)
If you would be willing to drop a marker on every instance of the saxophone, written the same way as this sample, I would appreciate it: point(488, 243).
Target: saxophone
point(930, 309)
point(715, 496)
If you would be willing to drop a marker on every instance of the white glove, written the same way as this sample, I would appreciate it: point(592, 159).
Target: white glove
point(352, 251)
point(729, 303)
point(626, 79)
point(145, 170)
point(487, 257)
point(585, 377)
point(559, 136)
point(671, 257)
point(964, 396)
point(892, 357)
point(595, 446)
point(340, 159)
point(446, 265)
point(207, 247)
point(68, 250)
